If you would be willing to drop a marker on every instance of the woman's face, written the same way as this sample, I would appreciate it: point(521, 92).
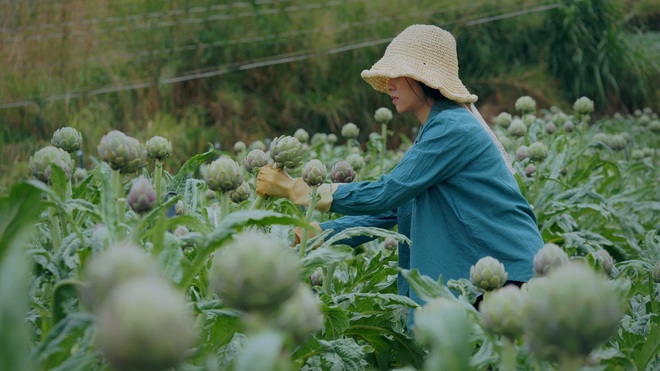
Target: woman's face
point(407, 96)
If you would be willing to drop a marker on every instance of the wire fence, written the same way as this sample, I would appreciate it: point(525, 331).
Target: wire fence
point(50, 32)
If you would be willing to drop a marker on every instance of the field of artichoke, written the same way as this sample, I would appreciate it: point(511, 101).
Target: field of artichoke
point(123, 265)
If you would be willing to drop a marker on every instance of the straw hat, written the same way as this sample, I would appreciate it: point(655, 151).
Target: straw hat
point(425, 53)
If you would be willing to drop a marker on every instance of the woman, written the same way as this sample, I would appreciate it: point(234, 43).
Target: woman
point(456, 180)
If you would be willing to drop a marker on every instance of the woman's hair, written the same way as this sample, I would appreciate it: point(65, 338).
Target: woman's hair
point(428, 92)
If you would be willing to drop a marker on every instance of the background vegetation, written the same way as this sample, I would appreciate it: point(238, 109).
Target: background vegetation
point(200, 71)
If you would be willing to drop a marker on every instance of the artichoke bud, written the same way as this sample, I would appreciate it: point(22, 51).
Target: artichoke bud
point(522, 152)
point(525, 105)
point(390, 243)
point(287, 152)
point(180, 208)
point(549, 257)
point(239, 147)
point(257, 144)
point(383, 115)
point(319, 138)
point(115, 265)
point(350, 131)
point(550, 127)
point(67, 138)
point(314, 173)
point(503, 119)
point(254, 273)
point(356, 161)
point(316, 279)
point(342, 172)
point(517, 128)
point(302, 135)
point(80, 174)
point(436, 321)
point(224, 175)
point(583, 106)
point(181, 231)
point(241, 193)
point(122, 152)
point(332, 138)
point(570, 312)
point(618, 142)
point(488, 274)
point(530, 170)
point(145, 325)
point(142, 196)
point(501, 311)
point(42, 159)
point(255, 159)
point(301, 314)
point(538, 151)
point(159, 148)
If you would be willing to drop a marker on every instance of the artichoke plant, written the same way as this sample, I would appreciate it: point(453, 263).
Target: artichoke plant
point(503, 119)
point(570, 312)
point(44, 158)
point(142, 196)
point(67, 138)
point(342, 172)
point(488, 274)
point(583, 106)
point(254, 273)
point(302, 135)
point(122, 152)
point(525, 105)
point(241, 193)
point(286, 151)
point(223, 175)
point(547, 258)
point(159, 148)
point(145, 325)
point(517, 128)
point(538, 151)
point(255, 159)
point(383, 115)
point(240, 147)
point(655, 272)
point(314, 173)
point(356, 161)
point(522, 152)
point(350, 131)
point(604, 260)
point(501, 311)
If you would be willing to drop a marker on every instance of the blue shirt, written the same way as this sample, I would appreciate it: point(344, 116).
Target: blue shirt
point(464, 202)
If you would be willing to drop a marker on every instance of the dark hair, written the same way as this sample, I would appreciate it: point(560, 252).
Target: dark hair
point(432, 93)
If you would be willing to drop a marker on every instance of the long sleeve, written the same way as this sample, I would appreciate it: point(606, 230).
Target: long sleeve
point(385, 220)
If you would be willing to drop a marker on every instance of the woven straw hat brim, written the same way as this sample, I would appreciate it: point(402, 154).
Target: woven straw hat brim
point(424, 53)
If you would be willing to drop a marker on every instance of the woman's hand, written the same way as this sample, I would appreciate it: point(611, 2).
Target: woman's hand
point(274, 182)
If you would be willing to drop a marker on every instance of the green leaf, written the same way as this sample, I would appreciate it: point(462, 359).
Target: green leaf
point(188, 169)
point(170, 259)
point(19, 212)
point(57, 344)
point(650, 349)
point(343, 354)
point(336, 321)
point(425, 286)
point(325, 256)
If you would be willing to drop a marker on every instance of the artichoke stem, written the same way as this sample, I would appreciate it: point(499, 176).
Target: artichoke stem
point(313, 190)
point(509, 357)
point(158, 178)
point(224, 204)
point(120, 198)
point(55, 230)
point(258, 201)
point(383, 147)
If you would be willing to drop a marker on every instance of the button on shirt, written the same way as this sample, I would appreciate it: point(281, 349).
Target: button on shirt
point(464, 202)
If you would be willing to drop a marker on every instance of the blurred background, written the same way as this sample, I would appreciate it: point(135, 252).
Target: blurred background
point(208, 71)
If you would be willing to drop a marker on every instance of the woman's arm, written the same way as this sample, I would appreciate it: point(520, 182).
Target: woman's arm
point(386, 220)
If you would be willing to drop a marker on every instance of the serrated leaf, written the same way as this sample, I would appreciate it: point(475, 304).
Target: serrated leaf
point(343, 354)
point(425, 286)
point(335, 320)
point(261, 353)
point(188, 168)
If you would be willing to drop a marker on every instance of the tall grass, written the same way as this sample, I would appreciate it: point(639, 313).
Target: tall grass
point(215, 71)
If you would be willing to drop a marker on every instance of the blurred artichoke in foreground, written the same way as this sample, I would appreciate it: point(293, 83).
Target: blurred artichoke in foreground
point(224, 175)
point(488, 274)
point(159, 148)
point(300, 316)
point(67, 138)
point(501, 311)
point(547, 258)
point(254, 273)
point(44, 158)
point(122, 152)
point(286, 151)
point(145, 325)
point(342, 172)
point(142, 196)
point(570, 312)
point(314, 173)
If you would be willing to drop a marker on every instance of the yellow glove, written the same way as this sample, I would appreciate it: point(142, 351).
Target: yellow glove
point(277, 183)
point(297, 232)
